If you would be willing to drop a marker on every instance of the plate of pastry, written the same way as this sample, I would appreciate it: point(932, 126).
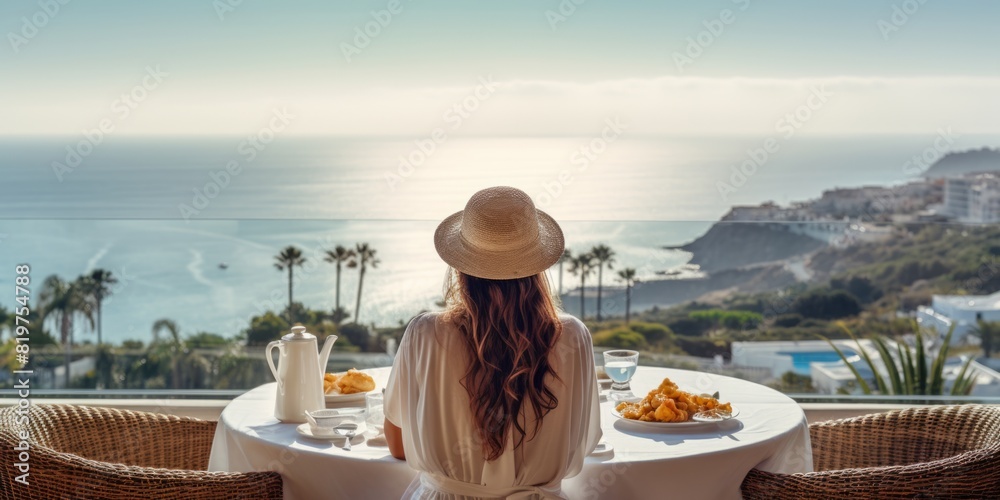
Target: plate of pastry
point(668, 407)
point(348, 386)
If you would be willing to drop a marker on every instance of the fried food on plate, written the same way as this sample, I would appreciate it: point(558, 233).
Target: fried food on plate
point(329, 382)
point(352, 382)
point(667, 403)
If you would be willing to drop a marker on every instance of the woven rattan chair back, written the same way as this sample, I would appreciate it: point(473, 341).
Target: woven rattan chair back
point(102, 453)
point(930, 452)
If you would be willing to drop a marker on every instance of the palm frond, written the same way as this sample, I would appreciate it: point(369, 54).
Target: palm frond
point(890, 364)
point(879, 381)
point(857, 375)
point(921, 362)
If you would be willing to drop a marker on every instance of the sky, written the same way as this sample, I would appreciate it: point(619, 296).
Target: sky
point(517, 67)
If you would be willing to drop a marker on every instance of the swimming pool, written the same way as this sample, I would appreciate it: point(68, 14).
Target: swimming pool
point(802, 359)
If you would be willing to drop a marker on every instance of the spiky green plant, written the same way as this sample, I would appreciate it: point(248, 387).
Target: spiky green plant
point(908, 372)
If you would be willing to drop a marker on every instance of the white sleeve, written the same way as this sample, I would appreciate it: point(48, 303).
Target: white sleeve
point(589, 407)
point(593, 426)
point(398, 392)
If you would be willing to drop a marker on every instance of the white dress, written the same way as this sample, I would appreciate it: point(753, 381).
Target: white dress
point(424, 397)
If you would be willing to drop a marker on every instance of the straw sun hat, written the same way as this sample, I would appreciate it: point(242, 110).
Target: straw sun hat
point(500, 235)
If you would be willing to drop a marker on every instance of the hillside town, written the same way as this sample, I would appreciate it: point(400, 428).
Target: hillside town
point(844, 217)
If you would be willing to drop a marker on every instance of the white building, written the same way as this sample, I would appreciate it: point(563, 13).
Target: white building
point(984, 201)
point(972, 198)
point(956, 197)
point(963, 311)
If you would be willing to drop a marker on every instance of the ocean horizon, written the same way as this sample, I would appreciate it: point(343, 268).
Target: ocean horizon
point(162, 213)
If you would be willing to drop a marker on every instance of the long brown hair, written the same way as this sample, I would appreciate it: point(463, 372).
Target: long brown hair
point(509, 326)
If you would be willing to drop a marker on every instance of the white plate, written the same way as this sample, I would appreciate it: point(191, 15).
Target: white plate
point(336, 397)
point(306, 430)
point(672, 425)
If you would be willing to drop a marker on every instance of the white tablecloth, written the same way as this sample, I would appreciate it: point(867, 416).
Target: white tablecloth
point(771, 434)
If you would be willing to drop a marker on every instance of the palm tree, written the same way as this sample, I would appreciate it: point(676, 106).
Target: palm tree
point(104, 366)
point(187, 368)
point(363, 258)
point(604, 256)
point(172, 347)
point(339, 256)
point(62, 302)
point(566, 257)
point(286, 260)
point(97, 287)
point(582, 265)
point(628, 276)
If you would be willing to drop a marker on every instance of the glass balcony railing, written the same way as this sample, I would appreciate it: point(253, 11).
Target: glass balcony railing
point(128, 308)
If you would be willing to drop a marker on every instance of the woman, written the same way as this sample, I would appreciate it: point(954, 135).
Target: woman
point(496, 397)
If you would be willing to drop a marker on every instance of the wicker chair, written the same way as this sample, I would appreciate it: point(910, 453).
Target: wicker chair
point(84, 452)
point(929, 452)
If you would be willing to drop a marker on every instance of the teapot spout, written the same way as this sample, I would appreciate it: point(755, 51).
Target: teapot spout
point(324, 355)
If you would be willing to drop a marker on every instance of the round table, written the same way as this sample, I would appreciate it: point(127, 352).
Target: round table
point(770, 434)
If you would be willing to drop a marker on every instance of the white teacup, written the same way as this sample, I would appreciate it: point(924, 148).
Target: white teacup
point(322, 422)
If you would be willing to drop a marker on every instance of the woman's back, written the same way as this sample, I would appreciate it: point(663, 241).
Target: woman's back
point(425, 397)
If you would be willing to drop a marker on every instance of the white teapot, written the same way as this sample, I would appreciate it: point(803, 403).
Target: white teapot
point(299, 374)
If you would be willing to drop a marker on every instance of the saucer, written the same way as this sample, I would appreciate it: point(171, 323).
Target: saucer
point(306, 430)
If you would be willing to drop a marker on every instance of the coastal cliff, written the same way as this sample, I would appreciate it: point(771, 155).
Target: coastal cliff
point(965, 162)
point(732, 245)
point(666, 292)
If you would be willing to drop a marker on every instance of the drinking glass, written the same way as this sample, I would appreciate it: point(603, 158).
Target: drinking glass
point(375, 404)
point(620, 365)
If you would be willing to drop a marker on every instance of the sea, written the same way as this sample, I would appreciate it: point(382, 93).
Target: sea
point(191, 225)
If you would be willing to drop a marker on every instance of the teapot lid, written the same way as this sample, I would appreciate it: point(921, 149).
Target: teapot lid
point(299, 333)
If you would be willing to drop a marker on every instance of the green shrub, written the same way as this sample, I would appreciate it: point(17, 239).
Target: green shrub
point(358, 335)
point(788, 320)
point(265, 328)
point(859, 286)
point(702, 347)
point(620, 338)
point(824, 304)
point(689, 326)
point(733, 320)
point(654, 333)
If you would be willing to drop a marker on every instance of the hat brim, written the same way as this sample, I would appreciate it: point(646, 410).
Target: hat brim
point(538, 257)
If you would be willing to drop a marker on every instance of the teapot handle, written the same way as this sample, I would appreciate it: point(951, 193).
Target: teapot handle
point(270, 363)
